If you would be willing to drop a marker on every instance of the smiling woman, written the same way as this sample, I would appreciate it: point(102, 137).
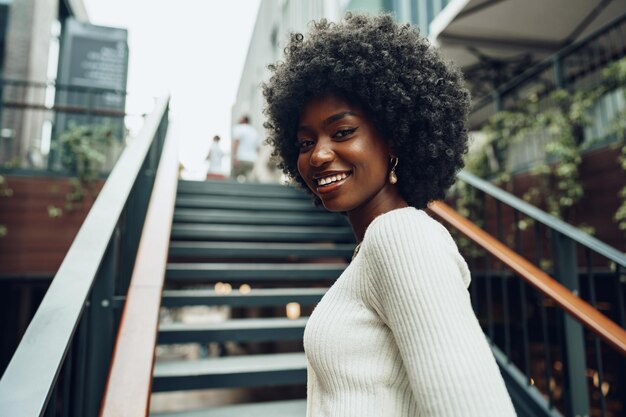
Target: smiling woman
point(344, 160)
point(369, 119)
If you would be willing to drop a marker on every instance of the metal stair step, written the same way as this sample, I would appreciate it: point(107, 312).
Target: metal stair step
point(245, 203)
point(252, 272)
point(228, 372)
point(256, 297)
point(188, 215)
point(239, 330)
point(231, 186)
point(259, 250)
point(289, 408)
point(282, 193)
point(230, 232)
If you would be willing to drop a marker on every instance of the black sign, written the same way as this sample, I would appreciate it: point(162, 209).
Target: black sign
point(91, 80)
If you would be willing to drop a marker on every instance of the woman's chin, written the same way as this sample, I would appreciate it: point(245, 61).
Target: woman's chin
point(335, 206)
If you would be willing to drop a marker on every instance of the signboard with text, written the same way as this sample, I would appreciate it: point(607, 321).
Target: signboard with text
point(91, 80)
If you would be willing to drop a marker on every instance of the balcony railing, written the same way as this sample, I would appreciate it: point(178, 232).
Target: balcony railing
point(578, 370)
point(33, 116)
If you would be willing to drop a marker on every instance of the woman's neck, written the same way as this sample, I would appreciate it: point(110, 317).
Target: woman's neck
point(361, 217)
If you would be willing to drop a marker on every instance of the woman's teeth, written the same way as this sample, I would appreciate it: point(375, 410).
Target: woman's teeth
point(332, 178)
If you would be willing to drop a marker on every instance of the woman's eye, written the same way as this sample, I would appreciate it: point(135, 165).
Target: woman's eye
point(304, 144)
point(344, 133)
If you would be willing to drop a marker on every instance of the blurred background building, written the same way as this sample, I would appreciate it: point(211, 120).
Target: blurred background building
point(492, 41)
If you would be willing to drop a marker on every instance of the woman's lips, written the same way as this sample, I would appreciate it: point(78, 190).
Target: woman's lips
point(329, 188)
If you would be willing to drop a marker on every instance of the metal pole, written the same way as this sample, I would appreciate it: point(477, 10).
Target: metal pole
point(559, 79)
point(576, 395)
point(101, 330)
point(1, 108)
point(497, 100)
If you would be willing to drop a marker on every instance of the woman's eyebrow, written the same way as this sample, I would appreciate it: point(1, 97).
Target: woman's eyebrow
point(329, 120)
point(338, 116)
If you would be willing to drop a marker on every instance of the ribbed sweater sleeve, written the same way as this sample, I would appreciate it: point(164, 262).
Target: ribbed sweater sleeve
point(311, 389)
point(418, 285)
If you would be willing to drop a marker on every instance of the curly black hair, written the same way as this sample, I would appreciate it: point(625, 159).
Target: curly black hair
point(414, 98)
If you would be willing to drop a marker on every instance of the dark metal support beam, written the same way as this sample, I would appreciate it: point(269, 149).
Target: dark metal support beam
point(537, 45)
point(586, 22)
point(101, 330)
point(573, 341)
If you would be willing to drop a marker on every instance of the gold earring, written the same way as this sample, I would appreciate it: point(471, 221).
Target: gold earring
point(393, 178)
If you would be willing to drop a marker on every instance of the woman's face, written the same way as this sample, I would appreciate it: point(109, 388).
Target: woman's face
point(343, 159)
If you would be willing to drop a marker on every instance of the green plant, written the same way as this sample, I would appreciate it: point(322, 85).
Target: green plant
point(564, 120)
point(83, 154)
point(616, 79)
point(562, 116)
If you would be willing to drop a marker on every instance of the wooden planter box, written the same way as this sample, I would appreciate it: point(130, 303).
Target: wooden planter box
point(36, 242)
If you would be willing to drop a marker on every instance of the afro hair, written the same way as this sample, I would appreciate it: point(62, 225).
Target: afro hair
point(415, 99)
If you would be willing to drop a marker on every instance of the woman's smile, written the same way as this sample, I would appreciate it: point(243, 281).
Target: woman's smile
point(331, 181)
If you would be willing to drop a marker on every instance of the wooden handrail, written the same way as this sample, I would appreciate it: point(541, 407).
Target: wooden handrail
point(129, 383)
point(580, 310)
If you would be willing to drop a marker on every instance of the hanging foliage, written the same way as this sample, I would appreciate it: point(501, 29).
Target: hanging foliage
point(560, 115)
point(83, 155)
point(615, 76)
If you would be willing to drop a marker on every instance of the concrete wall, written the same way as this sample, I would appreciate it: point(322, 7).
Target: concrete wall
point(29, 33)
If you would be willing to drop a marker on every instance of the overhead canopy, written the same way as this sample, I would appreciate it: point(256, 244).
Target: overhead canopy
point(494, 40)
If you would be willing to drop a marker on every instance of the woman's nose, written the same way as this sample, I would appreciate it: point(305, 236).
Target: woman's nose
point(322, 153)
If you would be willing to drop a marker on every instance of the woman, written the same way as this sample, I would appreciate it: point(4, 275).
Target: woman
point(369, 118)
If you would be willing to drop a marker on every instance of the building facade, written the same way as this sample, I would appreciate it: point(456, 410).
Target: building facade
point(29, 48)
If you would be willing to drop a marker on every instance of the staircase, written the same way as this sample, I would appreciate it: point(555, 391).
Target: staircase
point(257, 248)
point(254, 248)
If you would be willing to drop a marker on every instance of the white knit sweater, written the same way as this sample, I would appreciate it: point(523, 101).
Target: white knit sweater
point(396, 334)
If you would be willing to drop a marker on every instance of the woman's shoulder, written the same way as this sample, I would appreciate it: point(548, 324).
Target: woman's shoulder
point(410, 233)
point(408, 222)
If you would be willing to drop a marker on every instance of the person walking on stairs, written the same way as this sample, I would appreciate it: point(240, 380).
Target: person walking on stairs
point(214, 157)
point(245, 149)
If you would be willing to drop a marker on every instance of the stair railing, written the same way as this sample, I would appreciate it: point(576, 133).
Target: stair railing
point(576, 370)
point(60, 366)
point(128, 389)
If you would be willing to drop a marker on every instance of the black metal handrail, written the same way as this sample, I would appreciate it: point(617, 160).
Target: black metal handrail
point(573, 368)
point(34, 113)
point(62, 360)
point(60, 86)
point(552, 222)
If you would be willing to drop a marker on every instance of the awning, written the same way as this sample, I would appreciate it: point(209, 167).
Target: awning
point(494, 40)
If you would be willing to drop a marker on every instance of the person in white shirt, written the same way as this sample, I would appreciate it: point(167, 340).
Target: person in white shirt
point(215, 158)
point(245, 147)
point(370, 119)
